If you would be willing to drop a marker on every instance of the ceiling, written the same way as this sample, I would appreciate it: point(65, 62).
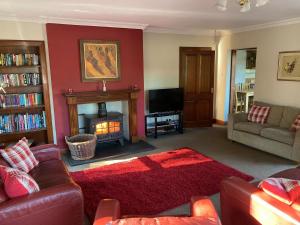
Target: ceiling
point(178, 16)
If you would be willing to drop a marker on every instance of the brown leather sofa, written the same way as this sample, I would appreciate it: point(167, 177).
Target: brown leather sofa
point(243, 203)
point(59, 202)
point(202, 213)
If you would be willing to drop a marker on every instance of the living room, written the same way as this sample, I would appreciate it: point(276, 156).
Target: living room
point(109, 109)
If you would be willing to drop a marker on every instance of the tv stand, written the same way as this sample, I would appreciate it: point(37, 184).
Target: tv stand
point(162, 123)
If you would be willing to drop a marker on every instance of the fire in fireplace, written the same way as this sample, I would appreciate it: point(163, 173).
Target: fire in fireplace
point(107, 128)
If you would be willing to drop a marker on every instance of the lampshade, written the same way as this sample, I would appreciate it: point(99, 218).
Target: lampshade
point(222, 5)
point(261, 2)
point(244, 4)
point(246, 7)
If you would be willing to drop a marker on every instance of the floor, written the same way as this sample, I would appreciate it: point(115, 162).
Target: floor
point(213, 142)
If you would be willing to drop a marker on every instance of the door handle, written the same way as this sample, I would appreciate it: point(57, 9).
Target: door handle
point(212, 90)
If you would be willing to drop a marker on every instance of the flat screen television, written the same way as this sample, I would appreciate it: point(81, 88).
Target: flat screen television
point(165, 100)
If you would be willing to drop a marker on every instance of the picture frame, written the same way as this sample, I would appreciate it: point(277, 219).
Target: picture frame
point(289, 66)
point(100, 60)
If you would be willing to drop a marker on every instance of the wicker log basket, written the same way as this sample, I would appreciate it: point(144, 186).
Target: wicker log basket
point(82, 146)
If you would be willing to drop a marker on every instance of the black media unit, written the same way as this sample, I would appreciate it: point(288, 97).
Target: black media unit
point(163, 123)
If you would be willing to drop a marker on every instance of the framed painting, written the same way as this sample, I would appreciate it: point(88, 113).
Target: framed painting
point(289, 66)
point(100, 60)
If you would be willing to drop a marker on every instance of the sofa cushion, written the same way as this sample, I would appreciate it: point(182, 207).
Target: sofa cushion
point(249, 127)
point(51, 173)
point(279, 134)
point(275, 114)
point(20, 156)
point(258, 114)
point(17, 183)
point(285, 190)
point(288, 117)
point(296, 124)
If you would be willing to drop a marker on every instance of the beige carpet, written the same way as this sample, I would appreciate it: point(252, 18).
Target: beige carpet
point(213, 142)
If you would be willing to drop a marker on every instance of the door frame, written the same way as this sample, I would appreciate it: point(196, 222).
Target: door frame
point(186, 50)
point(232, 75)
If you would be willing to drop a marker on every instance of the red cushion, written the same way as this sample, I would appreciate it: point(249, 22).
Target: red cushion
point(17, 183)
point(296, 124)
point(258, 114)
point(20, 156)
point(167, 221)
point(285, 190)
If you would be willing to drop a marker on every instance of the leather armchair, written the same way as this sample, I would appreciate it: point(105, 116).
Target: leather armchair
point(202, 213)
point(59, 202)
point(243, 201)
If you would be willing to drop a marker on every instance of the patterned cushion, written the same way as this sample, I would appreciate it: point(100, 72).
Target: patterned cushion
point(258, 114)
point(17, 183)
point(20, 156)
point(275, 114)
point(285, 190)
point(296, 125)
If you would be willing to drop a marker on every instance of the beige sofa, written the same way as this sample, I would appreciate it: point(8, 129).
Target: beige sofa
point(274, 136)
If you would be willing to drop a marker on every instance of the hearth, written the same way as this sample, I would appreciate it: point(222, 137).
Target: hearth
point(107, 128)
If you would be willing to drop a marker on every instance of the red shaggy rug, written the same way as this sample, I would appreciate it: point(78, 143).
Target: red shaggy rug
point(154, 183)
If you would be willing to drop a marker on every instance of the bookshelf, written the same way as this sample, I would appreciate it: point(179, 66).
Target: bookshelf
point(25, 108)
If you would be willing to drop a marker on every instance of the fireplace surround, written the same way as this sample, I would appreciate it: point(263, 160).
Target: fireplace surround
point(129, 95)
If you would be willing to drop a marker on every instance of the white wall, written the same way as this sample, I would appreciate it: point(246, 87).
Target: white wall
point(21, 31)
point(161, 57)
point(269, 42)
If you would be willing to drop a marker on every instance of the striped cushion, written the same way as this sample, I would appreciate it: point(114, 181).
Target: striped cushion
point(296, 125)
point(285, 190)
point(20, 156)
point(17, 183)
point(258, 114)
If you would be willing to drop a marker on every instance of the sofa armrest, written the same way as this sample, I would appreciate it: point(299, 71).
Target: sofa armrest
point(242, 201)
point(233, 119)
point(108, 210)
point(296, 147)
point(46, 152)
point(203, 207)
point(53, 205)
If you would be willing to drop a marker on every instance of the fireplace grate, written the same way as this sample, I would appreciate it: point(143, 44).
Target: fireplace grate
point(107, 129)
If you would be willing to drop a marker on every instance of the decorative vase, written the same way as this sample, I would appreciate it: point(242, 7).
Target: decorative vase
point(104, 86)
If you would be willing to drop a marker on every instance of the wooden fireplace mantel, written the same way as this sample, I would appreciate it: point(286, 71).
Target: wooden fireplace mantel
point(130, 95)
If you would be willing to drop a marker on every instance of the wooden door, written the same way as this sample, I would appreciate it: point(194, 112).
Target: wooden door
point(197, 79)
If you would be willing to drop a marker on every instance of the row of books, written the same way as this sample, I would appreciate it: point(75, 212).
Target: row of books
point(23, 79)
point(22, 122)
point(24, 59)
point(23, 100)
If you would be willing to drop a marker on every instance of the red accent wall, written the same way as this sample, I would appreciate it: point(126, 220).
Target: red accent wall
point(64, 53)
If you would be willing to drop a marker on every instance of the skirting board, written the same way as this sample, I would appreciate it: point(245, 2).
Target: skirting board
point(219, 122)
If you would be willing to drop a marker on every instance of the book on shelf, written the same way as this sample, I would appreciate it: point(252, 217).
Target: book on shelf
point(22, 122)
point(21, 100)
point(23, 79)
point(23, 59)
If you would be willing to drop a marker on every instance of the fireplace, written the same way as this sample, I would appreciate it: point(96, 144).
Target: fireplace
point(129, 95)
point(107, 128)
